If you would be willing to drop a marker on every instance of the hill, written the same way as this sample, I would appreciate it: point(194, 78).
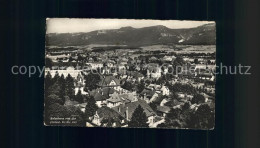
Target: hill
point(202, 35)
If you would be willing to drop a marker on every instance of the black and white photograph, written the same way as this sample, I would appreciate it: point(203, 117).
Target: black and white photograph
point(130, 73)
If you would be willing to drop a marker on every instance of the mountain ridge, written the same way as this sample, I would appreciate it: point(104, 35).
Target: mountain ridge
point(159, 34)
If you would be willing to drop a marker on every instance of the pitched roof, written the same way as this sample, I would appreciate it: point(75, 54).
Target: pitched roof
point(134, 74)
point(102, 94)
point(131, 108)
point(107, 91)
point(106, 112)
point(126, 98)
point(159, 99)
point(115, 98)
point(99, 97)
point(107, 80)
point(164, 109)
point(148, 92)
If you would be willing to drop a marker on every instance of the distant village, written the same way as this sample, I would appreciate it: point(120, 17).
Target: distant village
point(130, 88)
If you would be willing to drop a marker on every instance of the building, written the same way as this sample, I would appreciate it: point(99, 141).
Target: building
point(79, 84)
point(127, 110)
point(117, 99)
point(163, 110)
point(165, 90)
point(135, 75)
point(73, 73)
point(105, 116)
point(95, 65)
point(101, 95)
point(148, 95)
point(110, 81)
point(154, 71)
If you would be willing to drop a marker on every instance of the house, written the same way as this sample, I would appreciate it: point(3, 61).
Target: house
point(105, 116)
point(127, 110)
point(95, 65)
point(101, 95)
point(163, 110)
point(148, 95)
point(154, 71)
point(77, 89)
point(110, 81)
point(154, 87)
point(153, 59)
point(168, 58)
point(100, 99)
point(117, 99)
point(166, 68)
point(165, 90)
point(165, 100)
point(79, 84)
point(114, 100)
point(135, 75)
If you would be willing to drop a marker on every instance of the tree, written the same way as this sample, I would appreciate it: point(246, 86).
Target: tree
point(62, 84)
point(174, 114)
point(54, 89)
point(178, 87)
point(172, 119)
point(205, 116)
point(139, 118)
point(140, 87)
point(186, 106)
point(60, 111)
point(198, 98)
point(161, 80)
point(48, 62)
point(196, 61)
point(177, 64)
point(79, 98)
point(153, 105)
point(91, 107)
point(91, 81)
point(209, 62)
point(70, 88)
point(47, 83)
point(56, 77)
point(128, 86)
point(52, 99)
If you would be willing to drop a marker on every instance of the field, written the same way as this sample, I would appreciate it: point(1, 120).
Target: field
point(182, 48)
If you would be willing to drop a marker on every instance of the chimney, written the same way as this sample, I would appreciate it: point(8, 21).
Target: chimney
point(126, 113)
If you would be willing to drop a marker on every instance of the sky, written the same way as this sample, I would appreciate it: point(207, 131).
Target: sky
point(66, 25)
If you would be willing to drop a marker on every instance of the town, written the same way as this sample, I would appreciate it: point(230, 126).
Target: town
point(120, 86)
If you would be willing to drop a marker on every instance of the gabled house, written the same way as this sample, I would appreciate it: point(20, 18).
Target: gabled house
point(148, 95)
point(101, 95)
point(79, 84)
point(110, 81)
point(135, 75)
point(117, 99)
point(127, 110)
point(105, 116)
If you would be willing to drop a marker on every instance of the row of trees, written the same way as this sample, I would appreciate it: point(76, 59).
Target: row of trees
point(202, 118)
point(58, 90)
point(60, 86)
